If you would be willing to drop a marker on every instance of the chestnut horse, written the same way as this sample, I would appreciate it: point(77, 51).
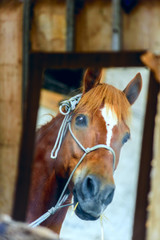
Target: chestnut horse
point(101, 118)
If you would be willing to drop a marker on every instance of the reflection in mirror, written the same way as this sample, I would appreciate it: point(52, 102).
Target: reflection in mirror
point(117, 220)
point(59, 84)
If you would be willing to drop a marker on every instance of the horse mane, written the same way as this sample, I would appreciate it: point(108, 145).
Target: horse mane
point(102, 94)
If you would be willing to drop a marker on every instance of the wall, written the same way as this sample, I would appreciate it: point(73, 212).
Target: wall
point(48, 31)
point(94, 26)
point(10, 99)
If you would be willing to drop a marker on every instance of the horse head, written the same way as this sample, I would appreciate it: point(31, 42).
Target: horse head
point(101, 117)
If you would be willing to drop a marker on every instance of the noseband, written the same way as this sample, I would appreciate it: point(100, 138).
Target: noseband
point(65, 108)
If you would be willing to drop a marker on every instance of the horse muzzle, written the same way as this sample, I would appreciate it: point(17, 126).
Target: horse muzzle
point(92, 197)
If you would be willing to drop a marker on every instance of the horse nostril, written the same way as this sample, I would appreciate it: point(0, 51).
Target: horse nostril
point(109, 193)
point(90, 186)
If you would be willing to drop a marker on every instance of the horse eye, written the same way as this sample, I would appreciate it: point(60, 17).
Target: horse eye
point(126, 138)
point(81, 120)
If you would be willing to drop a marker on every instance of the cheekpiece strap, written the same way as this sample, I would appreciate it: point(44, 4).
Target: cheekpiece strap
point(65, 108)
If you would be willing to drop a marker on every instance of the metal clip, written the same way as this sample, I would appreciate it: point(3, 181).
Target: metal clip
point(69, 105)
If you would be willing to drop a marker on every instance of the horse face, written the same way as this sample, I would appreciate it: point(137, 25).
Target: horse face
point(93, 180)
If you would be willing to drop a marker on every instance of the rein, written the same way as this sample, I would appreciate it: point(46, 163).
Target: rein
point(65, 108)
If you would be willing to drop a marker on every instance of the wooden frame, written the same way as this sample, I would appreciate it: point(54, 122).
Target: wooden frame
point(143, 188)
point(37, 64)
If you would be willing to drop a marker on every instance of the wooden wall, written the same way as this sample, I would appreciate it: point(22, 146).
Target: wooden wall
point(48, 31)
point(10, 99)
point(141, 27)
point(94, 26)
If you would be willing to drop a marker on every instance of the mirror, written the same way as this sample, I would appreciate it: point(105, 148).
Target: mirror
point(117, 220)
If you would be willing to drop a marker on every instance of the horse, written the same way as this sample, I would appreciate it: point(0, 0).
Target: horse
point(96, 130)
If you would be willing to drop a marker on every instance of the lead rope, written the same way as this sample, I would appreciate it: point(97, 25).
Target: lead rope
point(69, 106)
point(59, 139)
point(65, 108)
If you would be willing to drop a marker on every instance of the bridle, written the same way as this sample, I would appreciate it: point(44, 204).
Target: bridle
point(66, 107)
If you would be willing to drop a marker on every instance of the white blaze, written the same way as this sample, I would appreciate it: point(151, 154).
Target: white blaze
point(111, 120)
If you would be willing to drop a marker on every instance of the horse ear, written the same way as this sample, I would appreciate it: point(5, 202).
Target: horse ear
point(133, 88)
point(91, 78)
